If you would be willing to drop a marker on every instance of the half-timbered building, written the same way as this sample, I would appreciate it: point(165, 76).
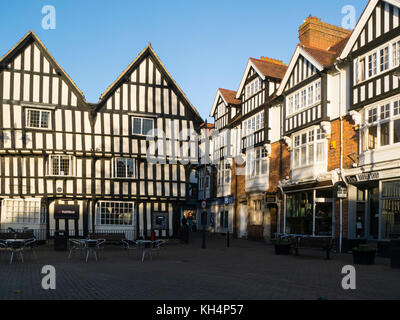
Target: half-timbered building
point(122, 164)
point(314, 118)
point(260, 129)
point(373, 55)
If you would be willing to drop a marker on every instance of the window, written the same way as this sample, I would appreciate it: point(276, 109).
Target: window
point(382, 126)
point(224, 173)
point(60, 165)
point(252, 88)
point(124, 168)
point(396, 54)
point(390, 225)
point(115, 213)
point(38, 119)
point(254, 124)
point(372, 65)
point(22, 211)
point(257, 163)
point(309, 148)
point(304, 99)
point(384, 59)
point(362, 70)
point(142, 126)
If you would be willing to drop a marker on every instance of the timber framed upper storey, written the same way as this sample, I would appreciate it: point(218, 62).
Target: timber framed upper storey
point(56, 146)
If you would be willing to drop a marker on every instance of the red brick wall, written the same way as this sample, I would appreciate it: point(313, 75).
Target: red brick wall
point(350, 144)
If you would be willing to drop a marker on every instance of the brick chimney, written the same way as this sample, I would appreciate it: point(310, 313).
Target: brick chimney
point(316, 33)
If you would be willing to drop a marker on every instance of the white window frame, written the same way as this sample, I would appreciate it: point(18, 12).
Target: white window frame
point(11, 216)
point(72, 165)
point(98, 219)
point(378, 120)
point(314, 140)
point(375, 57)
point(253, 88)
point(41, 111)
point(114, 168)
point(300, 100)
point(252, 125)
point(257, 162)
point(141, 126)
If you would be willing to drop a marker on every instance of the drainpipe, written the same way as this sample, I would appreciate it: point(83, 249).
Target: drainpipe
point(341, 160)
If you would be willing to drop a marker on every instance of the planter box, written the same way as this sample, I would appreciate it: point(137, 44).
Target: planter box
point(364, 257)
point(282, 249)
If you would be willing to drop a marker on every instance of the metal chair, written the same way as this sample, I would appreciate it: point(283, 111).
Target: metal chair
point(76, 245)
point(16, 247)
point(31, 243)
point(131, 245)
point(159, 245)
point(92, 246)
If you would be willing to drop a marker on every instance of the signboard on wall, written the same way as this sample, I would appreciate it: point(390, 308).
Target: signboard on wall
point(66, 212)
point(160, 221)
point(340, 190)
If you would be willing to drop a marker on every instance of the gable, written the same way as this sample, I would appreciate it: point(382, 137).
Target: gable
point(379, 19)
point(30, 75)
point(302, 70)
point(250, 71)
point(301, 67)
point(146, 87)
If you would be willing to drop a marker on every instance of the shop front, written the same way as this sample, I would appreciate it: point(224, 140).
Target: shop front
point(375, 215)
point(310, 212)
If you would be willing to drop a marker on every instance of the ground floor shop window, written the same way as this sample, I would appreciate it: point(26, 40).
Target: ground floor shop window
point(22, 211)
point(300, 218)
point(114, 213)
point(390, 210)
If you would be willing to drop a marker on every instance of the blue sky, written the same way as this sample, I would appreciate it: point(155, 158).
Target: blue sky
point(204, 44)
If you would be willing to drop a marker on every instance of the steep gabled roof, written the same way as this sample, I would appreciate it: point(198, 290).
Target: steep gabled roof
point(147, 51)
point(228, 96)
point(32, 37)
point(321, 59)
point(361, 24)
point(266, 68)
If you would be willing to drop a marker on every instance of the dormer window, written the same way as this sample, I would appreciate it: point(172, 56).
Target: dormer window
point(252, 88)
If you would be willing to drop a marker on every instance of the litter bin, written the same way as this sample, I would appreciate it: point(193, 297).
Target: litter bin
point(60, 241)
point(395, 254)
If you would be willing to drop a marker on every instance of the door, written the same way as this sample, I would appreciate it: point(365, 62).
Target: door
point(243, 220)
point(373, 213)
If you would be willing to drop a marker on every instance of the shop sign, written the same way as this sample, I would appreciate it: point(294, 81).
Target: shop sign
point(66, 212)
point(340, 190)
point(362, 177)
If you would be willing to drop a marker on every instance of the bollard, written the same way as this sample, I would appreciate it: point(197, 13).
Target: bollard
point(203, 245)
point(227, 240)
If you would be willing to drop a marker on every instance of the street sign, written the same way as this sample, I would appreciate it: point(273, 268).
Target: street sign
point(204, 204)
point(340, 190)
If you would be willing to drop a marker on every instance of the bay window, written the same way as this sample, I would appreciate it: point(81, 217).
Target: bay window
point(381, 126)
point(257, 163)
point(254, 123)
point(309, 148)
point(224, 173)
point(377, 61)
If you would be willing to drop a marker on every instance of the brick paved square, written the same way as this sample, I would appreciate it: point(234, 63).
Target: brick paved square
point(247, 270)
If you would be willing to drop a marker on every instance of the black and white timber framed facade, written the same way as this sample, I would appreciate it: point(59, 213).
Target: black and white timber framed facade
point(58, 149)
